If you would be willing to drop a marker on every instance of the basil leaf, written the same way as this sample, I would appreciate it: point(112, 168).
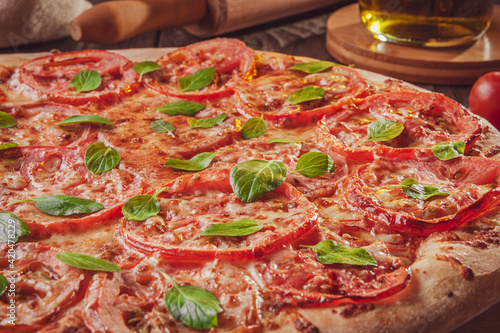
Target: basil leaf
point(281, 140)
point(87, 262)
point(207, 122)
point(88, 118)
point(99, 158)
point(331, 252)
point(197, 80)
point(182, 108)
point(253, 128)
point(383, 130)
point(308, 93)
point(196, 163)
point(448, 150)
point(162, 126)
point(3, 284)
point(141, 207)
point(145, 67)
point(6, 120)
point(235, 228)
point(313, 67)
point(314, 164)
point(12, 227)
point(415, 190)
point(86, 80)
point(253, 178)
point(192, 306)
point(8, 145)
point(64, 205)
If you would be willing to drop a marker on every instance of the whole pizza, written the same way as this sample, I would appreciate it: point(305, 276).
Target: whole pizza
point(217, 188)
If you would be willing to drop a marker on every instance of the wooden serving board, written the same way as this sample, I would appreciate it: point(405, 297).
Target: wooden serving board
point(350, 42)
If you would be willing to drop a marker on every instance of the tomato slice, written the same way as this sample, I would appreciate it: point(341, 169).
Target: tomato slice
point(428, 118)
point(194, 202)
point(232, 59)
point(472, 183)
point(268, 95)
point(49, 77)
point(45, 286)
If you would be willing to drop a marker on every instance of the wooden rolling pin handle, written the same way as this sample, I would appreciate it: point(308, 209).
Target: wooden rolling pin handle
point(114, 21)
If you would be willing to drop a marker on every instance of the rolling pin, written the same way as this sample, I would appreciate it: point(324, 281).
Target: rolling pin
point(114, 21)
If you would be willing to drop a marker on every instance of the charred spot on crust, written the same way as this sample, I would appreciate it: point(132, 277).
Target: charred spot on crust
point(465, 272)
point(352, 310)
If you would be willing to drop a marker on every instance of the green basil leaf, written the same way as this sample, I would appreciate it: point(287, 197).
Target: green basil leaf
point(145, 67)
point(86, 80)
point(207, 122)
point(313, 66)
point(196, 163)
point(383, 130)
point(415, 190)
point(162, 126)
point(235, 228)
point(182, 108)
point(141, 207)
point(3, 284)
point(281, 140)
point(99, 158)
point(12, 227)
point(8, 145)
point(197, 80)
point(88, 118)
point(308, 93)
point(253, 128)
point(64, 205)
point(87, 262)
point(253, 178)
point(314, 164)
point(192, 306)
point(331, 252)
point(448, 150)
point(6, 120)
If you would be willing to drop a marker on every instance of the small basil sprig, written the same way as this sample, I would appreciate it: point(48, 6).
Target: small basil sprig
point(88, 118)
point(383, 130)
point(6, 120)
point(3, 284)
point(99, 158)
point(235, 228)
point(415, 190)
point(331, 252)
point(253, 128)
point(253, 178)
point(142, 207)
point(8, 145)
point(282, 140)
point(87, 262)
point(314, 164)
point(12, 227)
point(448, 150)
point(145, 67)
point(86, 80)
point(207, 122)
point(162, 126)
point(197, 80)
point(196, 163)
point(308, 93)
point(313, 66)
point(194, 307)
point(182, 108)
point(64, 205)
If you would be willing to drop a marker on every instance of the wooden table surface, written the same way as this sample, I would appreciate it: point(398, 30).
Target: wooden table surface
point(301, 35)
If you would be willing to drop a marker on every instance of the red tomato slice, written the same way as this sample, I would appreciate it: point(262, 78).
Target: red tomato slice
point(45, 286)
point(472, 183)
point(49, 77)
point(268, 95)
point(232, 59)
point(194, 202)
point(428, 118)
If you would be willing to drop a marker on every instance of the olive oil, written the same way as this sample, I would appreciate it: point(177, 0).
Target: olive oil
point(437, 23)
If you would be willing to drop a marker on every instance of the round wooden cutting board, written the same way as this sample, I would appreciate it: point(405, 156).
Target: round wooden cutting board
point(350, 42)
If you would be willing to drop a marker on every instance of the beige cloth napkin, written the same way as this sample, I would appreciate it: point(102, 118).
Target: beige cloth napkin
point(32, 21)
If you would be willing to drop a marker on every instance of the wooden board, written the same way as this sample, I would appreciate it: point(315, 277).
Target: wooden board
point(351, 43)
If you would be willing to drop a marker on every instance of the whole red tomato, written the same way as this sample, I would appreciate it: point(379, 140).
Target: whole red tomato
point(484, 98)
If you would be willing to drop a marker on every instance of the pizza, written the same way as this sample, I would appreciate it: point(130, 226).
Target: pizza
point(218, 188)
